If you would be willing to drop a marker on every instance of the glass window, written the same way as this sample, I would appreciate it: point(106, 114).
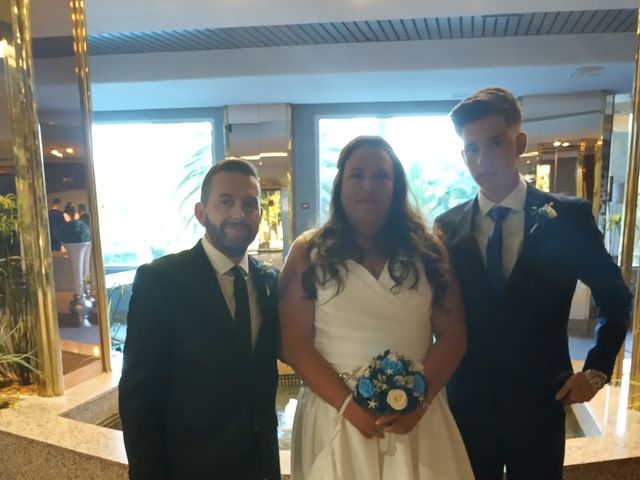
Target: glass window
point(427, 146)
point(148, 178)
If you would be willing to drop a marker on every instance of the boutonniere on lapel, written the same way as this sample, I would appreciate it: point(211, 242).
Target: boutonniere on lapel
point(542, 214)
point(268, 276)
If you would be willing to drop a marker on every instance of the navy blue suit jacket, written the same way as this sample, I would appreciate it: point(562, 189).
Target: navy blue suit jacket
point(518, 344)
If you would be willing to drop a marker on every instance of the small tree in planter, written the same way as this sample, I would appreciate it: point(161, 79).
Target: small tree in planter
point(17, 321)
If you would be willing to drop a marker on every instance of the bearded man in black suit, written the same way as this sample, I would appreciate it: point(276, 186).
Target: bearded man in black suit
point(518, 253)
point(197, 394)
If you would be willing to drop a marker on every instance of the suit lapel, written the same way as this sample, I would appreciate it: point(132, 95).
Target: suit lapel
point(208, 292)
point(533, 230)
point(466, 244)
point(265, 293)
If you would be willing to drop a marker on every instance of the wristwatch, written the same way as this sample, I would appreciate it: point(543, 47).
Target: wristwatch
point(596, 378)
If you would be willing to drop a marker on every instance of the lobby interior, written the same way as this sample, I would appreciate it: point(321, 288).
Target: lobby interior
point(106, 104)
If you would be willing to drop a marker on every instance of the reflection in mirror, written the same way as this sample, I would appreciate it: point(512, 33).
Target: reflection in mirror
point(17, 322)
point(568, 168)
point(29, 343)
point(620, 141)
point(565, 154)
point(261, 134)
point(70, 192)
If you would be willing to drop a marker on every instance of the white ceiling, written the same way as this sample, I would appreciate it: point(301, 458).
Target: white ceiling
point(143, 15)
point(367, 72)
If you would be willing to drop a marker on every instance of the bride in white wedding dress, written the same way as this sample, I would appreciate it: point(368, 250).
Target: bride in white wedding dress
point(369, 280)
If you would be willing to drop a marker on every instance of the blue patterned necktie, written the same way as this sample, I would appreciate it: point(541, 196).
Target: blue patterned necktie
point(494, 248)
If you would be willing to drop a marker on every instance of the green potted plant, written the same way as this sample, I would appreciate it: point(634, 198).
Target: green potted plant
point(18, 365)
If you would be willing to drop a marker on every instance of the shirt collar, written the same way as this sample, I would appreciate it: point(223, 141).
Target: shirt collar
point(515, 200)
point(220, 262)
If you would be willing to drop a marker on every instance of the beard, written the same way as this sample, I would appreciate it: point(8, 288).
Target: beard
point(230, 246)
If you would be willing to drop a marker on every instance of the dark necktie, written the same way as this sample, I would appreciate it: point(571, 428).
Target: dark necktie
point(494, 248)
point(242, 313)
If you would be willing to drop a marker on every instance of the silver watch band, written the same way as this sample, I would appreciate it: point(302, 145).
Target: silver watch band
point(596, 378)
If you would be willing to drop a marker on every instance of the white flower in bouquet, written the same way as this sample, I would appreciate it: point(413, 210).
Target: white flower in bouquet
point(397, 399)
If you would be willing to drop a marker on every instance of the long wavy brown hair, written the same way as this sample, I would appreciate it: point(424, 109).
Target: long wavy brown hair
point(404, 237)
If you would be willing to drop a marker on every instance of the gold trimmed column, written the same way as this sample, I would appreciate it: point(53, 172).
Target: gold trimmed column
point(82, 74)
point(31, 197)
point(631, 199)
point(290, 198)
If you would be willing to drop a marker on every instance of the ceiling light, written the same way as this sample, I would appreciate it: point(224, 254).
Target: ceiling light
point(557, 143)
point(69, 150)
point(264, 155)
point(272, 154)
point(57, 153)
point(530, 154)
point(260, 163)
point(587, 71)
point(565, 144)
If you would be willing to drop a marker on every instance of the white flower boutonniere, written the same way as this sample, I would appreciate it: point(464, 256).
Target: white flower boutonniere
point(268, 276)
point(543, 213)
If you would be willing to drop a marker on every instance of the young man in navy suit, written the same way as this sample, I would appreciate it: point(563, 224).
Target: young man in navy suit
point(197, 394)
point(518, 253)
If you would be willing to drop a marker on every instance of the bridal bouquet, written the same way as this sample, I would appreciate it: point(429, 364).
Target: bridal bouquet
point(390, 383)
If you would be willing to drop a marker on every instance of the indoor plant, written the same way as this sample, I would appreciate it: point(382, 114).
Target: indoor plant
point(18, 364)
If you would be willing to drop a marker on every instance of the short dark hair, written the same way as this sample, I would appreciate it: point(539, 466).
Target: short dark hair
point(55, 201)
point(485, 102)
point(236, 165)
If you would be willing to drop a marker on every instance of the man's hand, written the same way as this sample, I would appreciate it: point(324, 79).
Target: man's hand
point(576, 389)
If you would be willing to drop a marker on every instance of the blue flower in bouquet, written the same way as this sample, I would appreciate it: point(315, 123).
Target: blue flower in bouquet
point(391, 366)
point(419, 385)
point(365, 387)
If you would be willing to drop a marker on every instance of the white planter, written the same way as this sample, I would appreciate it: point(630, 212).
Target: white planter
point(80, 262)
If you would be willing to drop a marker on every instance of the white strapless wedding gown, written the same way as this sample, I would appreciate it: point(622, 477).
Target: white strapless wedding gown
point(366, 318)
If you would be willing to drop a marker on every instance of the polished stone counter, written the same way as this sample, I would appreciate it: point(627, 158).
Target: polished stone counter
point(43, 438)
point(615, 452)
point(39, 443)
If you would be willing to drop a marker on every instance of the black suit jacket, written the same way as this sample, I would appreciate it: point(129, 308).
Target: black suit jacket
point(518, 354)
point(56, 225)
point(192, 404)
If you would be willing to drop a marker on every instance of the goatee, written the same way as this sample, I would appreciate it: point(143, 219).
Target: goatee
point(230, 247)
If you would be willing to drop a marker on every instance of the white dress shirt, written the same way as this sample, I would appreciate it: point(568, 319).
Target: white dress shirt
point(512, 227)
point(222, 266)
